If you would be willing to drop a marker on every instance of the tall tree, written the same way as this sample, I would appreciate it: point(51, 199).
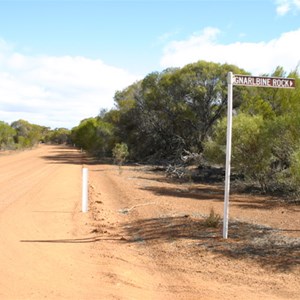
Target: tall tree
point(173, 110)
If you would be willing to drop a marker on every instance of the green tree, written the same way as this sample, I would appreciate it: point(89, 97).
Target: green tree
point(94, 135)
point(27, 135)
point(6, 136)
point(173, 110)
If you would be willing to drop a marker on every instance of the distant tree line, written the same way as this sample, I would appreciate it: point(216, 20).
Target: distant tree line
point(22, 134)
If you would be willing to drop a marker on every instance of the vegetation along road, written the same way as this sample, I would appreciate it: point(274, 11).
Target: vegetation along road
point(144, 237)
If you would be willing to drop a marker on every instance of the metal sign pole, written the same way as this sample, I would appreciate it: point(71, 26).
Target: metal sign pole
point(228, 154)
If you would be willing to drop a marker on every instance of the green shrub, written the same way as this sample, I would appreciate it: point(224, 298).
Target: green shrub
point(251, 147)
point(120, 153)
point(213, 219)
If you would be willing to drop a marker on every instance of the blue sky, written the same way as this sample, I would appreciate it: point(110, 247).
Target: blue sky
point(62, 61)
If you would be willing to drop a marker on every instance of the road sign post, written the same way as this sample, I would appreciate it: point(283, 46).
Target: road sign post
point(243, 80)
point(228, 154)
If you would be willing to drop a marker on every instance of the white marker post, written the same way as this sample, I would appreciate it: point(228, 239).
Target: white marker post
point(228, 154)
point(84, 190)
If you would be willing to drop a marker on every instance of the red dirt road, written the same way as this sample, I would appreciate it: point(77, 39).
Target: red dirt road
point(39, 202)
point(143, 238)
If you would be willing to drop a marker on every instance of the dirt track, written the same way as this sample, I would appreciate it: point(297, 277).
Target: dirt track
point(143, 238)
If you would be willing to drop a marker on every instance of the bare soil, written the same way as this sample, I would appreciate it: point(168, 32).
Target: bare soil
point(144, 237)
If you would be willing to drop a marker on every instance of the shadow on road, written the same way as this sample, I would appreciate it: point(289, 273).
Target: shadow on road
point(68, 155)
point(215, 193)
point(191, 193)
point(263, 245)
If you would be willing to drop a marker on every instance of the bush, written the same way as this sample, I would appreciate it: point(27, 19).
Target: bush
point(120, 153)
point(295, 167)
point(213, 220)
point(251, 147)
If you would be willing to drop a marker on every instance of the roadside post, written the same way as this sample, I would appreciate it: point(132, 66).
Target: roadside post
point(228, 154)
point(243, 80)
point(84, 190)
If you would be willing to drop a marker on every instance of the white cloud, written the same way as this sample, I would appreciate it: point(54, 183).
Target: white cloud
point(257, 58)
point(285, 6)
point(56, 91)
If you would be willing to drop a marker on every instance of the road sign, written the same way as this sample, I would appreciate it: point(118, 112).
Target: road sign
point(245, 80)
point(274, 82)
